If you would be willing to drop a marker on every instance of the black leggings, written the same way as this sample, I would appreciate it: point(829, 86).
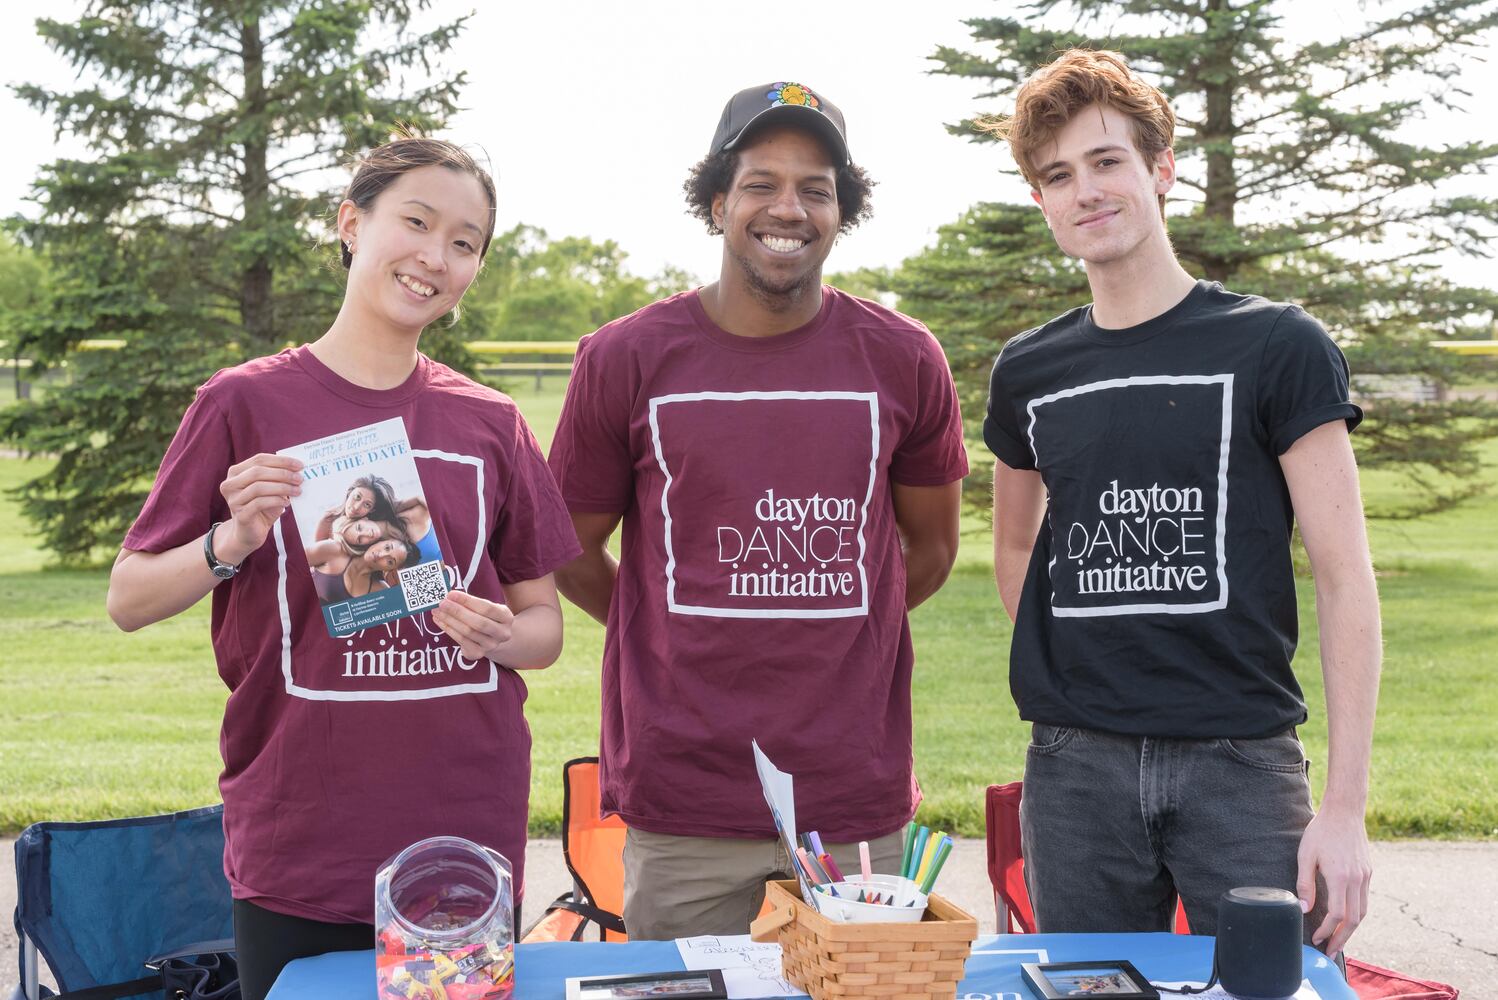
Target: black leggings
point(266, 941)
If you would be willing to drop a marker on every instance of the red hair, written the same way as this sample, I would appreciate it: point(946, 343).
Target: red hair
point(1077, 79)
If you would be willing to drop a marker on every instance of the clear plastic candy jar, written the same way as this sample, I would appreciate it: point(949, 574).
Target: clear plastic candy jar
point(445, 917)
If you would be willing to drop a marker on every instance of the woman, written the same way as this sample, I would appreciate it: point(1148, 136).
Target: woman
point(367, 496)
point(314, 799)
point(357, 534)
point(341, 570)
point(416, 522)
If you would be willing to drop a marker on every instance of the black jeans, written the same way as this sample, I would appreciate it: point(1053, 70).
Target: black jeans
point(1115, 827)
point(266, 941)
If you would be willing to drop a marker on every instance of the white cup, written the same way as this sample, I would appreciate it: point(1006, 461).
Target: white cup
point(839, 901)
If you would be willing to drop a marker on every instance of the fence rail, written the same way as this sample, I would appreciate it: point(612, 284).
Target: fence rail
point(535, 357)
point(1467, 346)
point(517, 355)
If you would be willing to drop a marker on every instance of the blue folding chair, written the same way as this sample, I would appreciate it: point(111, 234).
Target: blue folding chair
point(97, 900)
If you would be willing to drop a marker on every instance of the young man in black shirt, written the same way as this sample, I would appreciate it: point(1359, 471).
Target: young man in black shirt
point(1155, 449)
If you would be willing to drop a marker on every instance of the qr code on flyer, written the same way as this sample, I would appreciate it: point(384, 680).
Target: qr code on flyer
point(424, 584)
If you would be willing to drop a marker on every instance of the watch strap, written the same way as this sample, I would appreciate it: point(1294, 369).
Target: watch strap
point(222, 570)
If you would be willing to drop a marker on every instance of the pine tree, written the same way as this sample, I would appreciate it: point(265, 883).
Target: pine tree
point(190, 229)
point(1296, 182)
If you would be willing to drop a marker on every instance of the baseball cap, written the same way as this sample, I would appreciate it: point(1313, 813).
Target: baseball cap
point(795, 103)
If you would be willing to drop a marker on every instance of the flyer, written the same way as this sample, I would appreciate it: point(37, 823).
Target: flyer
point(780, 796)
point(368, 535)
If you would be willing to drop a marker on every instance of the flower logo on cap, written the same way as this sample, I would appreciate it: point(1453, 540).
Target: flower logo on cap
point(793, 93)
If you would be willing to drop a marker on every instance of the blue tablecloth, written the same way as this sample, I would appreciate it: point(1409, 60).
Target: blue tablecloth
point(993, 969)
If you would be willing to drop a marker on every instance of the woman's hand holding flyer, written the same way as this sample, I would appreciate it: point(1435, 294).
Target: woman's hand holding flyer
point(258, 491)
point(476, 625)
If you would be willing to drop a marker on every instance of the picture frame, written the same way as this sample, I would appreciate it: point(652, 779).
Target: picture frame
point(702, 984)
point(1113, 978)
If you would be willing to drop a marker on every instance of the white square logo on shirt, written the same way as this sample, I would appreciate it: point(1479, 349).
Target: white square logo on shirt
point(766, 501)
point(1138, 469)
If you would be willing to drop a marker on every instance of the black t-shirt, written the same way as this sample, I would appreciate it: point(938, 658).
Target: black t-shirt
point(1160, 599)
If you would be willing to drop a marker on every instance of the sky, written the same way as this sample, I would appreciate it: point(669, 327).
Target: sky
point(591, 112)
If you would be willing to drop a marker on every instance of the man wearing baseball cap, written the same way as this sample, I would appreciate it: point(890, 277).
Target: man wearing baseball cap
point(785, 460)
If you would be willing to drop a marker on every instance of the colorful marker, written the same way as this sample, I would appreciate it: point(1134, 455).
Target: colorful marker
point(917, 852)
point(863, 860)
point(926, 856)
point(807, 866)
point(909, 842)
point(940, 859)
point(831, 867)
point(814, 844)
point(822, 871)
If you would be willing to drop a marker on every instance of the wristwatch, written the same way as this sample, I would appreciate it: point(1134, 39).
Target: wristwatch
point(221, 570)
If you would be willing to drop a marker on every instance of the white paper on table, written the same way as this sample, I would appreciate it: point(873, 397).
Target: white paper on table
point(749, 969)
point(780, 796)
point(1306, 991)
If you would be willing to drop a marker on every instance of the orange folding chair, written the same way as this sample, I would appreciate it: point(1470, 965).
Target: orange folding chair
point(593, 848)
point(1006, 863)
point(1011, 900)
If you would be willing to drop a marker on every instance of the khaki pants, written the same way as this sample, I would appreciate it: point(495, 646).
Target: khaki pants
point(684, 886)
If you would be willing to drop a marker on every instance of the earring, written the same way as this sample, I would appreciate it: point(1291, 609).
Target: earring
point(349, 246)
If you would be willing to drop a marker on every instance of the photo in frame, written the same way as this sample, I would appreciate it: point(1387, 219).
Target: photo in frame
point(1116, 979)
point(704, 984)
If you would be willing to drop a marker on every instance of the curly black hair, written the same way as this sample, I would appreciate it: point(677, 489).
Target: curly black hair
point(714, 173)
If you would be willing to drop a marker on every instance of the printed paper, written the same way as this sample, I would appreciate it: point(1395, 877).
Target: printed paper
point(365, 527)
point(749, 969)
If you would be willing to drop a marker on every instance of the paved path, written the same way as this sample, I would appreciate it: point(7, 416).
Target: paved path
point(1434, 907)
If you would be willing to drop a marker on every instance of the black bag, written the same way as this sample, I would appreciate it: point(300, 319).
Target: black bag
point(208, 971)
point(203, 971)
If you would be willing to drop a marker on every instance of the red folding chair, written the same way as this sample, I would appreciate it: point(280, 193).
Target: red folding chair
point(1006, 861)
point(1011, 900)
point(1370, 982)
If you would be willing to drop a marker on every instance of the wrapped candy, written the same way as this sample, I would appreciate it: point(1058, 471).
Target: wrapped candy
point(444, 914)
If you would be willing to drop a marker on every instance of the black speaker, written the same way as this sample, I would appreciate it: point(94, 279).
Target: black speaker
point(1259, 934)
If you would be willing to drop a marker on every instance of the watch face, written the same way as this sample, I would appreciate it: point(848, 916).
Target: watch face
point(223, 572)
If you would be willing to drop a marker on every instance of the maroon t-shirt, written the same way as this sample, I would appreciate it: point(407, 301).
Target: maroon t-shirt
point(340, 752)
point(761, 590)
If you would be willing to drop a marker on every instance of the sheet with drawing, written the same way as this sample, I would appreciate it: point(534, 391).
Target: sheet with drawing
point(749, 969)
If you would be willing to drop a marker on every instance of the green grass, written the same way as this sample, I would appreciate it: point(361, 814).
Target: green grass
point(96, 723)
point(1435, 772)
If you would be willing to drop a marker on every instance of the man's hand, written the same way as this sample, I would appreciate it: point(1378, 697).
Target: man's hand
point(1335, 845)
point(478, 626)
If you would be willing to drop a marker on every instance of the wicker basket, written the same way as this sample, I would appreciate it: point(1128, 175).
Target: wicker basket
point(917, 961)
